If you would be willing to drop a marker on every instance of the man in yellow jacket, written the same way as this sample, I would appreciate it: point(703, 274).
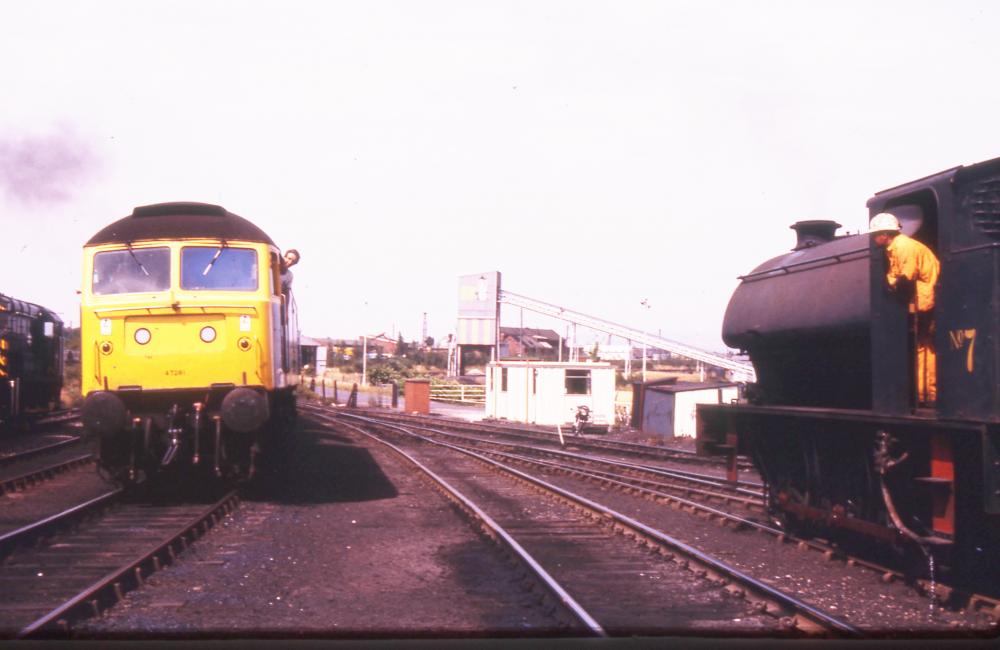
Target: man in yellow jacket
point(913, 267)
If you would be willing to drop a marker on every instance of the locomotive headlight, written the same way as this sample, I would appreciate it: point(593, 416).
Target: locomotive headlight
point(207, 334)
point(142, 336)
point(106, 347)
point(244, 343)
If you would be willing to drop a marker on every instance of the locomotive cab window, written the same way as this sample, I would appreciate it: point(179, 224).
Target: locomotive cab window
point(220, 267)
point(131, 270)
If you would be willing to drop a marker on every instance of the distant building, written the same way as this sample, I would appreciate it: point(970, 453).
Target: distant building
point(528, 343)
point(380, 344)
point(346, 349)
point(376, 344)
point(621, 351)
point(313, 353)
point(606, 351)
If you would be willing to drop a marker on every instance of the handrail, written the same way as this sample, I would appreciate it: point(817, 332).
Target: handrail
point(788, 267)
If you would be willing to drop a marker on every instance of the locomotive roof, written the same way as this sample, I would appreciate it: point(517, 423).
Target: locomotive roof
point(182, 220)
point(24, 308)
point(944, 176)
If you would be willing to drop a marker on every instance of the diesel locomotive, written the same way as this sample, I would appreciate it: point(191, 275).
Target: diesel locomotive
point(31, 360)
point(189, 343)
point(833, 423)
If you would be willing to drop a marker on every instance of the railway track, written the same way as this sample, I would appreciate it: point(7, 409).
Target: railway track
point(963, 611)
point(32, 460)
point(550, 436)
point(31, 422)
point(706, 487)
point(59, 417)
point(37, 446)
point(20, 481)
point(81, 561)
point(654, 583)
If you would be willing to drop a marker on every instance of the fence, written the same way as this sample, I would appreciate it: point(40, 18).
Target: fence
point(340, 392)
point(459, 393)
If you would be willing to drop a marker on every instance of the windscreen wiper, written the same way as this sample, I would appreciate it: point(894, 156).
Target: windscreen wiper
point(208, 267)
point(142, 268)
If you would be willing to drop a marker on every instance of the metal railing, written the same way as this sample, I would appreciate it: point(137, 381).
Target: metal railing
point(740, 370)
point(459, 393)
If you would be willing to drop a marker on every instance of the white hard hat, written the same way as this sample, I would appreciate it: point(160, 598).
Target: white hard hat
point(884, 222)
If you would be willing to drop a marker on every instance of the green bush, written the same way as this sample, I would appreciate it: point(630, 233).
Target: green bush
point(390, 371)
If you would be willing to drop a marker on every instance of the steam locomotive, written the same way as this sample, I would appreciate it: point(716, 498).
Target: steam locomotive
point(189, 343)
point(833, 423)
point(31, 359)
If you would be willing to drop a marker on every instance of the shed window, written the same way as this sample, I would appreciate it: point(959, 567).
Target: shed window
point(503, 380)
point(578, 382)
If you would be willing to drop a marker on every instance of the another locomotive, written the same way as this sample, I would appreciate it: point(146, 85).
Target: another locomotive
point(833, 424)
point(31, 360)
point(189, 342)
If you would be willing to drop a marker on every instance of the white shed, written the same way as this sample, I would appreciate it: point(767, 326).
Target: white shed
point(548, 392)
point(670, 409)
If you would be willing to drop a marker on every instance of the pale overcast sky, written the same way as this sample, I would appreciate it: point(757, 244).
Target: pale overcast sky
point(595, 153)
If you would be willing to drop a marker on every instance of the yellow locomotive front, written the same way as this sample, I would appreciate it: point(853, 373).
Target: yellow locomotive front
point(189, 341)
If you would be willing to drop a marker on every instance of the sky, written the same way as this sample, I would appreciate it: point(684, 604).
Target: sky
point(597, 154)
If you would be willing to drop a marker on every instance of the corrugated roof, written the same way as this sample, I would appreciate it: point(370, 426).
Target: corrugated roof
point(684, 387)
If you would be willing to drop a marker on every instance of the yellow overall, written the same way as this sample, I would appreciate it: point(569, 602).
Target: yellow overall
point(913, 261)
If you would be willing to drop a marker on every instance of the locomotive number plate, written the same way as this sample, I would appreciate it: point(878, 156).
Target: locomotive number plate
point(961, 337)
point(175, 373)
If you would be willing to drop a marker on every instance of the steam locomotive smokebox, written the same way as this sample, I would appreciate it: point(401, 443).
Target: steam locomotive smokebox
point(805, 319)
point(417, 396)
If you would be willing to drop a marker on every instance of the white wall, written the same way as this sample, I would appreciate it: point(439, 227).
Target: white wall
point(684, 407)
point(548, 403)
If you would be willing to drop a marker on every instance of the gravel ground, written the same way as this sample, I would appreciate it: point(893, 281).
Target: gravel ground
point(352, 545)
point(623, 586)
point(858, 595)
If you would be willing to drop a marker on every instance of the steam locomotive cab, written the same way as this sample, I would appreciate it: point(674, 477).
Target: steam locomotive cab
point(833, 423)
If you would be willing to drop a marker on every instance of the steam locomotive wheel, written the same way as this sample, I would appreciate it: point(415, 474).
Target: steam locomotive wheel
point(785, 501)
point(795, 494)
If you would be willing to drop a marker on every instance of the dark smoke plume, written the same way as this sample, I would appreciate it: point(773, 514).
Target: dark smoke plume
point(44, 169)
